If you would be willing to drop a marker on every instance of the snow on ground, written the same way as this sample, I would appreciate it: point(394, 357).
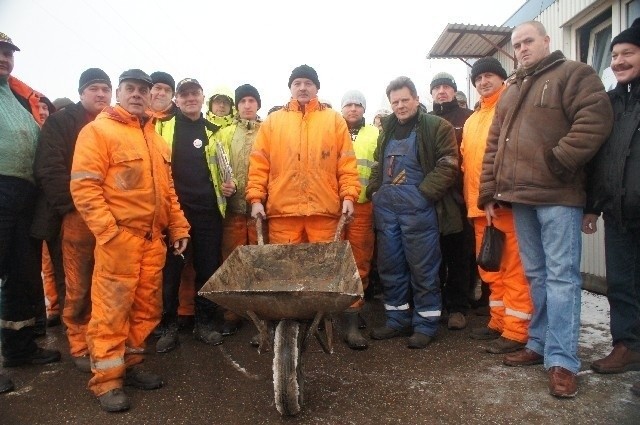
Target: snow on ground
point(594, 319)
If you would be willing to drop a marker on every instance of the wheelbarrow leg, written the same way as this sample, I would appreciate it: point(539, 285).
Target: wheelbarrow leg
point(266, 343)
point(326, 339)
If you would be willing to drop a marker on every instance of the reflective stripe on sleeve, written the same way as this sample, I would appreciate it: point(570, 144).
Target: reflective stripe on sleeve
point(496, 303)
point(81, 175)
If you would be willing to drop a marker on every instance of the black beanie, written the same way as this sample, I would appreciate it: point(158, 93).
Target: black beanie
point(487, 64)
point(91, 76)
point(164, 78)
point(305, 71)
point(630, 35)
point(247, 90)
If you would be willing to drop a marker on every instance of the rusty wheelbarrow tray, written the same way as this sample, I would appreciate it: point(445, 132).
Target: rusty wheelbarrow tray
point(295, 286)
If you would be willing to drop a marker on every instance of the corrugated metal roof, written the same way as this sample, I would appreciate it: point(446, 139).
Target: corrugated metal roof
point(469, 41)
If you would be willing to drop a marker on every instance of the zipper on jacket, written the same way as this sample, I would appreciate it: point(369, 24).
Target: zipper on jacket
point(544, 89)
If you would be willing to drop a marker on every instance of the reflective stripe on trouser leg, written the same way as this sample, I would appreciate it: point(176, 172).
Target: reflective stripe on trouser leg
point(78, 246)
point(126, 304)
point(517, 299)
point(360, 235)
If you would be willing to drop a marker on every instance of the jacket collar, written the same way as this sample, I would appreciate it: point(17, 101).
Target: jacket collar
point(621, 90)
point(313, 105)
point(445, 108)
point(118, 113)
point(490, 101)
point(549, 61)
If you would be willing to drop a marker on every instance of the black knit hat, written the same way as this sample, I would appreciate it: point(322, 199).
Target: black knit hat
point(443, 78)
point(305, 71)
point(92, 76)
point(487, 64)
point(630, 35)
point(247, 90)
point(164, 78)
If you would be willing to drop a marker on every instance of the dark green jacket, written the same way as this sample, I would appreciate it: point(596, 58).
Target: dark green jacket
point(438, 155)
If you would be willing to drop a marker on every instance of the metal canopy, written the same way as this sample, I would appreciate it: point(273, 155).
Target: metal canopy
point(470, 41)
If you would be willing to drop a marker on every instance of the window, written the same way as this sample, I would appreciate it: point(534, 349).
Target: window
point(594, 39)
point(633, 11)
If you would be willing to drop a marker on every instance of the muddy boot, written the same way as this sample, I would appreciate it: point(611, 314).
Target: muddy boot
point(114, 401)
point(138, 378)
point(504, 345)
point(352, 335)
point(205, 333)
point(82, 363)
point(169, 339)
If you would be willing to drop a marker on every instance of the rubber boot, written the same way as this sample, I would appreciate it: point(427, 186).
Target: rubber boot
point(352, 335)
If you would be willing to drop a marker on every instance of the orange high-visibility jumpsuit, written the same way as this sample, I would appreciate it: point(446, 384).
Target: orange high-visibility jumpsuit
point(122, 187)
point(78, 245)
point(49, 282)
point(510, 301)
point(305, 163)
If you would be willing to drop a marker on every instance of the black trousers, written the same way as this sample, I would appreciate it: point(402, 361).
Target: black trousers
point(456, 271)
point(205, 251)
point(20, 267)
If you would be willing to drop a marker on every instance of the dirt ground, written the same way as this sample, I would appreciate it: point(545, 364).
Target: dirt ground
point(453, 381)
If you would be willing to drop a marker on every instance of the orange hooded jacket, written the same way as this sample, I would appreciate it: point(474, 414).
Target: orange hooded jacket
point(305, 163)
point(28, 95)
point(121, 178)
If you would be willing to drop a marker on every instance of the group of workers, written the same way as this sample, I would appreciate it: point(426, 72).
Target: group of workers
point(139, 203)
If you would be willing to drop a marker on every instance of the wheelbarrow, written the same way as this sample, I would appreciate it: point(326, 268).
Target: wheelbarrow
point(292, 288)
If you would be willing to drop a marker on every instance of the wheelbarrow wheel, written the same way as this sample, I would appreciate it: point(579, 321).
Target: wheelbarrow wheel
point(287, 367)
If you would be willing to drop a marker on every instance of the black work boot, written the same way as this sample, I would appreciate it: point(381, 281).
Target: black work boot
point(169, 340)
point(207, 334)
point(6, 384)
point(114, 401)
point(38, 357)
point(352, 335)
point(138, 378)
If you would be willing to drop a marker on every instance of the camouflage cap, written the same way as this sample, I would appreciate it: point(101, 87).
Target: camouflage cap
point(5, 39)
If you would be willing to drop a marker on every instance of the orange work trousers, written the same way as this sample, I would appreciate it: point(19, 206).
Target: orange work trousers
point(510, 300)
point(292, 230)
point(237, 230)
point(360, 235)
point(49, 282)
point(78, 244)
point(126, 302)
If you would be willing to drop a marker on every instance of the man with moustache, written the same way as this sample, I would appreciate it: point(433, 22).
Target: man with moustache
point(550, 121)
point(614, 190)
point(52, 168)
point(122, 187)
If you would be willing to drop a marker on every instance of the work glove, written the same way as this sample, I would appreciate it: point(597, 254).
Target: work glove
point(347, 207)
point(257, 209)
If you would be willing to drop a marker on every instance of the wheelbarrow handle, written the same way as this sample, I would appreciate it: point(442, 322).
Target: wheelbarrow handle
point(259, 231)
point(341, 224)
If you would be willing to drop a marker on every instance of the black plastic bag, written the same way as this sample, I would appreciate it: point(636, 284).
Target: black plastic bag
point(490, 255)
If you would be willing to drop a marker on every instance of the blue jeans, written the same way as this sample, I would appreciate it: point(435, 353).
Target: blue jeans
point(550, 247)
point(622, 253)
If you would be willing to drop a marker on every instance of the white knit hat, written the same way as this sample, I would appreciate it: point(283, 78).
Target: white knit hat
point(354, 96)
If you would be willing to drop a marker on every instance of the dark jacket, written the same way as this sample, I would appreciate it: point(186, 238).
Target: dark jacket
point(614, 177)
point(452, 112)
point(52, 168)
point(549, 122)
point(438, 156)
